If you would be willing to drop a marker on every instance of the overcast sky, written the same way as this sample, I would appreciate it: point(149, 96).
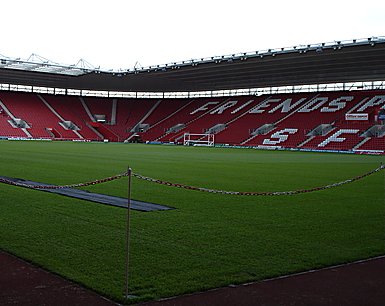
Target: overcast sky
point(119, 33)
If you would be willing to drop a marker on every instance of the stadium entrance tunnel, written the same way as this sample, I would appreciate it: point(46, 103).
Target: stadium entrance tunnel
point(93, 197)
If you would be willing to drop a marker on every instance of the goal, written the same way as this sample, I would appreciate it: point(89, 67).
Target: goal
point(198, 139)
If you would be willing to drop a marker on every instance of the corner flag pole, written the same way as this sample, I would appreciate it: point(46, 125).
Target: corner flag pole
point(129, 172)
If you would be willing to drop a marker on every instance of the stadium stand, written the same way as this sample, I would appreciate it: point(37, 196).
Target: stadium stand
point(262, 118)
point(217, 118)
point(159, 121)
point(131, 115)
point(101, 111)
point(72, 109)
point(35, 116)
point(176, 125)
point(6, 128)
point(345, 120)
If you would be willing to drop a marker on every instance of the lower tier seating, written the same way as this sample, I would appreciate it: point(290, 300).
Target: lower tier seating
point(346, 120)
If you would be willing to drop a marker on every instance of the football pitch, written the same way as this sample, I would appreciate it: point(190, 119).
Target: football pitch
point(208, 240)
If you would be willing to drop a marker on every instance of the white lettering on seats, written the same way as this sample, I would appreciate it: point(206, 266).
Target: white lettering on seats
point(242, 106)
point(286, 106)
point(376, 100)
point(222, 108)
point(339, 103)
point(203, 108)
point(335, 137)
point(280, 136)
point(259, 108)
point(313, 105)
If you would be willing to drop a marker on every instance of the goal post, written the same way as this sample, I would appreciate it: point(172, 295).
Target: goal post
point(190, 139)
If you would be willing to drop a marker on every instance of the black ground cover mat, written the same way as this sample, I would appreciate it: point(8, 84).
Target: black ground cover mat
point(93, 197)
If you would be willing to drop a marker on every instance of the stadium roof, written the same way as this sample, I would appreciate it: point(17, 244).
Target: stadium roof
point(335, 62)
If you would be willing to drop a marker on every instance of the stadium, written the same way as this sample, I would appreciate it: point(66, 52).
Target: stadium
point(245, 167)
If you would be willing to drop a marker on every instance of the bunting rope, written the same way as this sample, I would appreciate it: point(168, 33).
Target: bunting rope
point(188, 187)
point(104, 180)
point(252, 193)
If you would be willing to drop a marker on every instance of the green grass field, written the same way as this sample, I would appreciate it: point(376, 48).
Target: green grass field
point(209, 240)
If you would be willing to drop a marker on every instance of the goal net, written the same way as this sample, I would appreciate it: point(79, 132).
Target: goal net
point(198, 139)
